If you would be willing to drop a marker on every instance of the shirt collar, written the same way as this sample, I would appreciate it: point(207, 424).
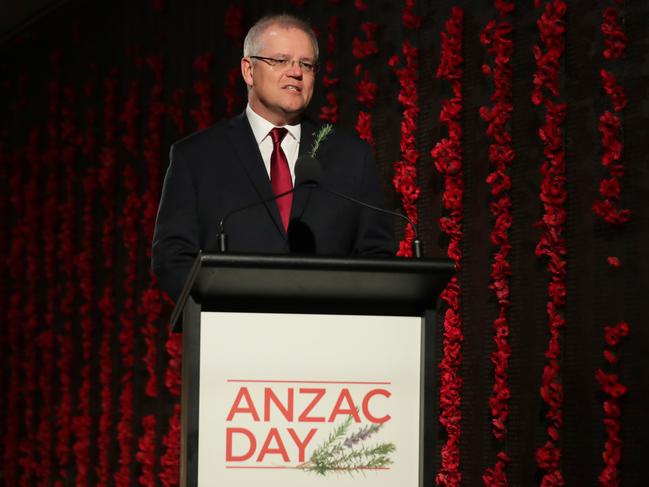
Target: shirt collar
point(261, 127)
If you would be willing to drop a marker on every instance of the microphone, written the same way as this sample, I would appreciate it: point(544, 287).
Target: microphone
point(309, 171)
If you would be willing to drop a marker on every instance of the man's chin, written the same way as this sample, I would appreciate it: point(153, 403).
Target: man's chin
point(293, 113)
point(283, 111)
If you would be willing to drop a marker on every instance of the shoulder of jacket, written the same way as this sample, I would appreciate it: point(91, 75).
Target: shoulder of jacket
point(205, 136)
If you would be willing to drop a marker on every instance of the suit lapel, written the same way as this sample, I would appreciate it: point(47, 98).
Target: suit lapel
point(308, 131)
point(301, 195)
point(250, 158)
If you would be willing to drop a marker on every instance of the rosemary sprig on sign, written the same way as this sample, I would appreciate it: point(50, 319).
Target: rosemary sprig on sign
point(343, 452)
point(320, 137)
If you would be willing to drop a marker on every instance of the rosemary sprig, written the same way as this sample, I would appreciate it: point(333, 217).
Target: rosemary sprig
point(332, 445)
point(348, 454)
point(320, 137)
point(362, 435)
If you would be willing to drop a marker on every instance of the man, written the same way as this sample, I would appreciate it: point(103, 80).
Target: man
point(252, 157)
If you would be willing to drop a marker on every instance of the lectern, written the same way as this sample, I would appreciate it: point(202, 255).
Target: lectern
point(308, 371)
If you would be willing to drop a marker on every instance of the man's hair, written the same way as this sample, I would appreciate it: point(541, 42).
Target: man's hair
point(252, 43)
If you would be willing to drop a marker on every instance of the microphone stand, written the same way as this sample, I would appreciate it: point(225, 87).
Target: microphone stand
point(416, 243)
point(308, 172)
point(222, 238)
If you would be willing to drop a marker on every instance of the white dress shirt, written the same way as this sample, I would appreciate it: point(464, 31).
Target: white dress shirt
point(290, 144)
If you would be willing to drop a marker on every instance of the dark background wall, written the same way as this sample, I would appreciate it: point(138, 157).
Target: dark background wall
point(94, 93)
point(17, 16)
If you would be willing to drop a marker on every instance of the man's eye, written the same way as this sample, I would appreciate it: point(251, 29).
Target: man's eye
point(281, 62)
point(306, 66)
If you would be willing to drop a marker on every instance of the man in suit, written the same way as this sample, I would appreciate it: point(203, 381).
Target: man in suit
point(252, 157)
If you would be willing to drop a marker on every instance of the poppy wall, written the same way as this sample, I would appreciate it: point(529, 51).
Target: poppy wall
point(514, 133)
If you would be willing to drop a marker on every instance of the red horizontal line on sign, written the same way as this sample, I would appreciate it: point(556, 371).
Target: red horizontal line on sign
point(292, 468)
point(312, 381)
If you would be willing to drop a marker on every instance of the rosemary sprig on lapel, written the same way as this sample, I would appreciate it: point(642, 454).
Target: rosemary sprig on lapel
point(320, 137)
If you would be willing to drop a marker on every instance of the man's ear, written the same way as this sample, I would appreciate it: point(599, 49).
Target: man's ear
point(246, 71)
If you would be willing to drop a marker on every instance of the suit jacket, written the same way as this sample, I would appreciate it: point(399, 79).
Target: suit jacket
point(218, 170)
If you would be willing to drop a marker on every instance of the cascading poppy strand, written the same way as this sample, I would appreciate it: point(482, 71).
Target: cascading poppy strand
point(610, 124)
point(176, 111)
point(151, 299)
point(150, 302)
point(234, 30)
point(614, 390)
point(83, 420)
point(5, 341)
point(405, 170)
point(106, 180)
point(552, 245)
point(496, 39)
point(28, 460)
point(15, 315)
point(204, 114)
point(447, 158)
point(169, 474)
point(46, 430)
point(128, 222)
point(366, 89)
point(68, 249)
point(607, 207)
point(329, 112)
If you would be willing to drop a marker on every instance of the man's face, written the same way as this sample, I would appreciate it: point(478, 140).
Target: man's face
point(278, 94)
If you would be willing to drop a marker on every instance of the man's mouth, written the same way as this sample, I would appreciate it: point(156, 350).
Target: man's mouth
point(295, 88)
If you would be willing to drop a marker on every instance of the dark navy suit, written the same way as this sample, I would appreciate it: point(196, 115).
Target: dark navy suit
point(220, 169)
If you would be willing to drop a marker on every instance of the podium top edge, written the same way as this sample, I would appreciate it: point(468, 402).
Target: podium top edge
point(414, 268)
point(378, 264)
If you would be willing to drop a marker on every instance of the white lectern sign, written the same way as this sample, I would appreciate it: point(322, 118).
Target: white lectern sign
point(309, 400)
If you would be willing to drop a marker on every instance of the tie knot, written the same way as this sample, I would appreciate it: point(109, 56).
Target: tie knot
point(278, 134)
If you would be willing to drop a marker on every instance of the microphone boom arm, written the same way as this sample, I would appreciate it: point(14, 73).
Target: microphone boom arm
point(416, 243)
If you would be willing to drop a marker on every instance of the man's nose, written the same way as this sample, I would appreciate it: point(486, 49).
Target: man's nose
point(295, 69)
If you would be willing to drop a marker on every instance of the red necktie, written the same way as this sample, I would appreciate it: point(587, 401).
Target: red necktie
point(280, 175)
